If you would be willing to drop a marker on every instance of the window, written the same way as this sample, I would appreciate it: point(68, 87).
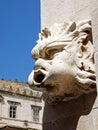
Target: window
point(13, 106)
point(36, 111)
point(12, 113)
point(35, 114)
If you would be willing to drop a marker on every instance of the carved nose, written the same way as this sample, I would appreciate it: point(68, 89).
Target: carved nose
point(38, 76)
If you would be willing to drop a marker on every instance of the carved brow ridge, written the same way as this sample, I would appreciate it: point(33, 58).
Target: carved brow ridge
point(49, 44)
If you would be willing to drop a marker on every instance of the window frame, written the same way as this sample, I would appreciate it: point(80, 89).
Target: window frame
point(36, 113)
point(13, 111)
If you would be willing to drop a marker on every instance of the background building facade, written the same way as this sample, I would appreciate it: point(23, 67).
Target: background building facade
point(20, 107)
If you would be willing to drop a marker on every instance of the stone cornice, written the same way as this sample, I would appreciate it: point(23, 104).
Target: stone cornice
point(16, 88)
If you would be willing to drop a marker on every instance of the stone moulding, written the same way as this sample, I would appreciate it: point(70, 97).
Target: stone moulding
point(64, 67)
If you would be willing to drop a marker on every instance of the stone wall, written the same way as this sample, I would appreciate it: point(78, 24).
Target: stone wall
point(57, 11)
point(94, 18)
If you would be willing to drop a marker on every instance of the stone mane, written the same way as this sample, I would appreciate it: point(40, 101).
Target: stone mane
point(60, 35)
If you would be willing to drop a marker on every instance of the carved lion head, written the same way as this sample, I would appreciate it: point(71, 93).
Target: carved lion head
point(64, 67)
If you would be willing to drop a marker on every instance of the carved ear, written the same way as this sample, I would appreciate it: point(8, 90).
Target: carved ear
point(84, 42)
point(86, 59)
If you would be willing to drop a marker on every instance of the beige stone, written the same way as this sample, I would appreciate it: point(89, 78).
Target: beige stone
point(64, 67)
point(64, 10)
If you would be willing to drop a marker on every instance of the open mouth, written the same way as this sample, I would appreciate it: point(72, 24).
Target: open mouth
point(39, 78)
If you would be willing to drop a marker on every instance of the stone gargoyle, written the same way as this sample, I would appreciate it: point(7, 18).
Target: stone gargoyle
point(64, 67)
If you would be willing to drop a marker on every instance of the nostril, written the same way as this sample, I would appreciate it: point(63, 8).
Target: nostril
point(43, 68)
point(38, 77)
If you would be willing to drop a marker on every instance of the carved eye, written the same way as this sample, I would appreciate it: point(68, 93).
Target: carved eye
point(50, 52)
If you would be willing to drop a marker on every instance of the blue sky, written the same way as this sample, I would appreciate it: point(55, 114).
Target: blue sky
point(19, 28)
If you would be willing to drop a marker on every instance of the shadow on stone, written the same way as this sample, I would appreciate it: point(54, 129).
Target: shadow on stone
point(65, 116)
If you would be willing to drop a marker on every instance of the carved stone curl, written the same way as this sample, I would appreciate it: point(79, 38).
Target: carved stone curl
point(64, 67)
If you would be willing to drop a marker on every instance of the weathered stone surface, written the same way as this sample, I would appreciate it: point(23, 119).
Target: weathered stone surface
point(64, 10)
point(73, 115)
point(96, 66)
point(64, 67)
